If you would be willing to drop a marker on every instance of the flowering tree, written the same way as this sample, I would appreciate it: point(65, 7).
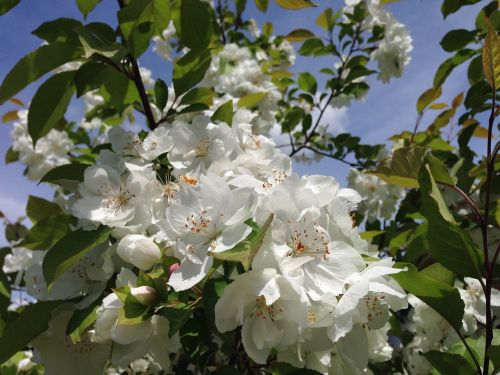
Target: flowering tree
point(180, 240)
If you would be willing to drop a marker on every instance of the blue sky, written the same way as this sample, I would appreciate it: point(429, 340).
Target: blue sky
point(386, 110)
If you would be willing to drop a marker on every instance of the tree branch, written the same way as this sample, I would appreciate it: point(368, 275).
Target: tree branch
point(139, 84)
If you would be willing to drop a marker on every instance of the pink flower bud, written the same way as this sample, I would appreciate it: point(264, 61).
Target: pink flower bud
point(174, 267)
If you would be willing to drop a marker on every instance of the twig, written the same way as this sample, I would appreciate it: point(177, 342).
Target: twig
point(476, 362)
point(490, 166)
point(139, 84)
point(467, 199)
point(417, 124)
point(220, 13)
point(331, 96)
point(330, 156)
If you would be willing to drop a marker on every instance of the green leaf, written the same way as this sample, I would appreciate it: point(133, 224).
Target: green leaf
point(402, 168)
point(196, 107)
point(224, 113)
point(49, 104)
point(46, 232)
point(449, 244)
point(5, 6)
point(93, 43)
point(327, 19)
point(161, 94)
point(307, 82)
point(133, 312)
point(251, 100)
point(491, 57)
point(439, 273)
point(27, 326)
point(245, 251)
point(59, 30)
point(39, 208)
point(494, 355)
point(312, 47)
point(298, 35)
point(457, 39)
point(81, 320)
point(449, 363)
point(451, 6)
point(427, 98)
point(262, 5)
point(73, 172)
point(120, 91)
point(417, 243)
point(15, 232)
point(70, 249)
point(138, 12)
point(87, 6)
point(295, 4)
point(189, 70)
point(196, 25)
point(443, 298)
point(439, 170)
point(177, 316)
point(36, 64)
point(450, 64)
point(11, 156)
point(198, 95)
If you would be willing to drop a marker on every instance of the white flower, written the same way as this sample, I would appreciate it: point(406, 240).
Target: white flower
point(157, 142)
point(475, 301)
point(368, 299)
point(87, 277)
point(209, 218)
point(199, 144)
point(108, 198)
point(60, 356)
point(269, 308)
point(139, 250)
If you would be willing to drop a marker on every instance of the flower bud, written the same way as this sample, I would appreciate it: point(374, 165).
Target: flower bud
point(144, 294)
point(139, 250)
point(174, 267)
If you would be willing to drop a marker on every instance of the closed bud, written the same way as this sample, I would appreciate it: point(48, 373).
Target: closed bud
point(144, 294)
point(139, 250)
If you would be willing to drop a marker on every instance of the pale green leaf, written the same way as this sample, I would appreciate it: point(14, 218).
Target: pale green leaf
point(245, 251)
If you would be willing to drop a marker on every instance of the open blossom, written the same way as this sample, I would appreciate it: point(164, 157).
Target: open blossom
point(208, 218)
point(199, 144)
point(60, 355)
point(268, 307)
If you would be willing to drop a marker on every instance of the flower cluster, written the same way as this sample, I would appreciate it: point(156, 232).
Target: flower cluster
point(50, 151)
point(432, 332)
point(393, 50)
point(314, 284)
point(379, 199)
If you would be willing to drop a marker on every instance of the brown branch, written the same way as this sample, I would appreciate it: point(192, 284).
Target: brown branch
point(139, 84)
point(490, 166)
